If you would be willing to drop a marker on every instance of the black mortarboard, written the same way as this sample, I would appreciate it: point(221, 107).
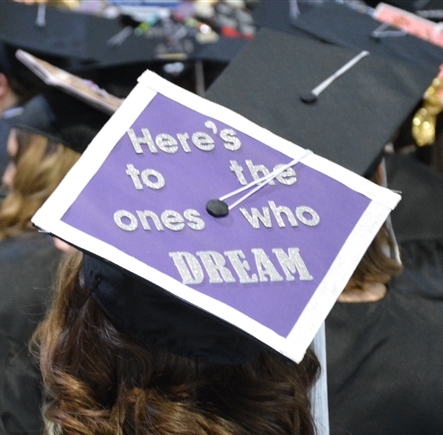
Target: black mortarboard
point(350, 121)
point(69, 83)
point(45, 30)
point(116, 66)
point(222, 51)
point(341, 25)
point(279, 14)
point(70, 111)
point(417, 6)
point(62, 118)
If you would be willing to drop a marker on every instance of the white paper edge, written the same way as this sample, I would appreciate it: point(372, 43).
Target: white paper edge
point(335, 280)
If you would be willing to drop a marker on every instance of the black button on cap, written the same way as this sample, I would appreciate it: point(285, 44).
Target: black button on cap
point(217, 208)
point(308, 97)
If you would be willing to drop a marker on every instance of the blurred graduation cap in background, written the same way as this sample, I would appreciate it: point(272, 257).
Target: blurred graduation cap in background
point(69, 83)
point(81, 43)
point(222, 51)
point(344, 104)
point(63, 34)
point(432, 9)
point(69, 110)
point(112, 52)
point(341, 25)
point(279, 15)
point(62, 118)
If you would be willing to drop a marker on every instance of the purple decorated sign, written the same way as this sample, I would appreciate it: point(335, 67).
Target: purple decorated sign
point(273, 266)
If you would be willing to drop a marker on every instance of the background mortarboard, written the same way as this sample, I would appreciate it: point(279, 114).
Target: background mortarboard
point(69, 83)
point(278, 15)
point(341, 25)
point(411, 5)
point(69, 111)
point(78, 42)
point(62, 118)
point(211, 59)
point(353, 118)
point(72, 36)
point(222, 51)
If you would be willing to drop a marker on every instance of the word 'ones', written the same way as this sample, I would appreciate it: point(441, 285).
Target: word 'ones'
point(170, 219)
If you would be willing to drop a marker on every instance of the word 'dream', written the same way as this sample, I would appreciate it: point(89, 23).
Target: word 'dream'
point(282, 267)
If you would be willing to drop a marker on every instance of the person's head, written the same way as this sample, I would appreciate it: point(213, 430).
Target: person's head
point(377, 266)
point(100, 380)
point(46, 141)
point(36, 167)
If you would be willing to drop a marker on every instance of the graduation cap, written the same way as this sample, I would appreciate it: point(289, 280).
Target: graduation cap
point(62, 34)
point(341, 25)
point(69, 111)
point(409, 22)
point(222, 51)
point(345, 105)
point(432, 9)
point(69, 83)
point(62, 119)
point(279, 15)
point(104, 50)
point(169, 269)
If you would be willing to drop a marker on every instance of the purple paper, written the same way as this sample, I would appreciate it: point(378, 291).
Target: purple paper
point(192, 177)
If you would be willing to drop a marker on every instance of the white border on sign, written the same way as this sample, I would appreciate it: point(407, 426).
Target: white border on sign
point(48, 218)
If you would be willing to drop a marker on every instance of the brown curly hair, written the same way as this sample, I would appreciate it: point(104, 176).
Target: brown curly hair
point(100, 382)
point(40, 166)
point(376, 265)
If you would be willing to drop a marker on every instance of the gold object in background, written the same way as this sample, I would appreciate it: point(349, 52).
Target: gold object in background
point(424, 121)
